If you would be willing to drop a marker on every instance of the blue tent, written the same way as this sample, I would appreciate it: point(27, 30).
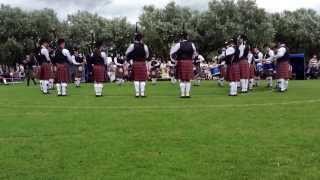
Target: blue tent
point(298, 65)
point(297, 56)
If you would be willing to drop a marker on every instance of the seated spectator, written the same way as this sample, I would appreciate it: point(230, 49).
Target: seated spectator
point(313, 64)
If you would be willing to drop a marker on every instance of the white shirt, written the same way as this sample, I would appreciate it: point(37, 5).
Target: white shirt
point(131, 48)
point(71, 59)
point(230, 51)
point(176, 48)
point(242, 47)
point(260, 57)
point(271, 56)
point(105, 57)
point(44, 51)
point(281, 52)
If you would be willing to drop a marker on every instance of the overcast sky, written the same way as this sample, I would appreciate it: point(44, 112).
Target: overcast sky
point(132, 8)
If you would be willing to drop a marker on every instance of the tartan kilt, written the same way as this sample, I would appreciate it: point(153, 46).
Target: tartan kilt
point(99, 71)
point(62, 74)
point(45, 71)
point(185, 70)
point(79, 71)
point(139, 71)
point(233, 72)
point(120, 72)
point(244, 69)
point(252, 71)
point(283, 70)
point(222, 69)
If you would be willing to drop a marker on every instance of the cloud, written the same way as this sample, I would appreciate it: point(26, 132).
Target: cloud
point(132, 8)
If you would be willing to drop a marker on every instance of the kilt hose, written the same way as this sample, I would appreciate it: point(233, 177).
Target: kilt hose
point(99, 71)
point(252, 72)
point(244, 69)
point(222, 69)
point(233, 72)
point(45, 71)
point(185, 70)
point(139, 71)
point(283, 69)
point(62, 75)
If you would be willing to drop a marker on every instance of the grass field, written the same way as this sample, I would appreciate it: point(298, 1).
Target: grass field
point(261, 135)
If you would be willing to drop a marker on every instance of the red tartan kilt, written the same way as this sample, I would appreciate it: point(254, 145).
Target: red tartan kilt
point(62, 74)
point(139, 71)
point(252, 72)
point(222, 71)
point(233, 72)
point(185, 70)
point(283, 70)
point(244, 69)
point(99, 73)
point(45, 71)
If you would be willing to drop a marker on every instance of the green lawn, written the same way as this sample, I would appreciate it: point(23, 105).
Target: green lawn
point(261, 135)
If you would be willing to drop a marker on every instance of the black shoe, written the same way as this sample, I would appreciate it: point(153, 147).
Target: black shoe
point(187, 97)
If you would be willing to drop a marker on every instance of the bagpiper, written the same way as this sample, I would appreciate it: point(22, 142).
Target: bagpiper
point(61, 59)
point(283, 66)
point(99, 61)
point(243, 63)
point(138, 53)
point(184, 52)
point(44, 61)
point(233, 70)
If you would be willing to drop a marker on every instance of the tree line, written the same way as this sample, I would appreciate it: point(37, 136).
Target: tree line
point(21, 30)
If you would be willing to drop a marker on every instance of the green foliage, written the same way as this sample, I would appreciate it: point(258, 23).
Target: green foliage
point(10, 51)
point(161, 27)
point(301, 29)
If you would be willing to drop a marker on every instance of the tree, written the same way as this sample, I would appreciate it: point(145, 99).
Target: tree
point(11, 52)
point(300, 29)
